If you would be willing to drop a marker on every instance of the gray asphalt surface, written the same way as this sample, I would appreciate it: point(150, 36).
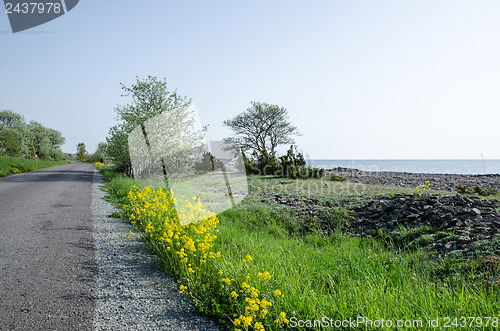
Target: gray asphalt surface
point(47, 265)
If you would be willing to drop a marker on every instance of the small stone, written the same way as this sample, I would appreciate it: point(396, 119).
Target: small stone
point(412, 217)
point(463, 239)
point(476, 211)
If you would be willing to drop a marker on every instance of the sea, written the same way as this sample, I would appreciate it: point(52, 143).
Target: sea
point(469, 167)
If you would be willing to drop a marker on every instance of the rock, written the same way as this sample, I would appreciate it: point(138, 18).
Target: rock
point(471, 218)
point(463, 239)
point(411, 217)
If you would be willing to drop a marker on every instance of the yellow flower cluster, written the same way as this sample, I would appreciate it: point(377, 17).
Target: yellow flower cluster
point(99, 165)
point(256, 308)
point(281, 318)
point(182, 288)
point(15, 170)
point(426, 186)
point(422, 188)
point(186, 251)
point(264, 275)
point(185, 247)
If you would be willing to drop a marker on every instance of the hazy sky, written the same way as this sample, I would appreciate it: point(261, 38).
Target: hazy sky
point(361, 79)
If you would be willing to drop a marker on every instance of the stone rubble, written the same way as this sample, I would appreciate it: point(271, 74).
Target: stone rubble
point(464, 225)
point(447, 182)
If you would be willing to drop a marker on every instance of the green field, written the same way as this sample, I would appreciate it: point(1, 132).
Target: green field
point(15, 165)
point(326, 279)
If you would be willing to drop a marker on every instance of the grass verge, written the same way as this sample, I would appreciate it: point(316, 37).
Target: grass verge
point(253, 269)
point(15, 165)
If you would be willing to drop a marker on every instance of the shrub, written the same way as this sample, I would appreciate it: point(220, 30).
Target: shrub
point(475, 190)
point(208, 162)
point(337, 178)
point(291, 165)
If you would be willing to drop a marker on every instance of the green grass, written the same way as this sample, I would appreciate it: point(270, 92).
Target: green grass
point(335, 276)
point(344, 277)
point(15, 165)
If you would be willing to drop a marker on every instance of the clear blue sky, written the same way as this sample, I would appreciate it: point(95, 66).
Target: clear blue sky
point(361, 79)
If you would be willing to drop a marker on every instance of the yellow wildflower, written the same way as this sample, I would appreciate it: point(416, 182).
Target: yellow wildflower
point(258, 326)
point(247, 321)
point(263, 313)
point(248, 258)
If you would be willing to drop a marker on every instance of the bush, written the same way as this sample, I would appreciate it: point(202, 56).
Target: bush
point(337, 178)
point(291, 165)
point(207, 163)
point(475, 190)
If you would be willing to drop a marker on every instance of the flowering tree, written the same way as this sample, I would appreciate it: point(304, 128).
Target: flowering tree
point(150, 98)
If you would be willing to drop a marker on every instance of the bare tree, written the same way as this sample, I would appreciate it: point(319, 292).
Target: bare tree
point(262, 127)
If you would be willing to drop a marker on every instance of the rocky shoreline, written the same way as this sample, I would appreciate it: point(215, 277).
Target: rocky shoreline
point(447, 182)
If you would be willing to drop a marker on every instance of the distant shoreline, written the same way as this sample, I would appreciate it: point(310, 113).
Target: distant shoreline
point(459, 167)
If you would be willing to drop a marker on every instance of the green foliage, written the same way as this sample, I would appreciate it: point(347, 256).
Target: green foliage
point(208, 162)
point(11, 141)
point(16, 137)
point(117, 150)
point(13, 134)
point(81, 151)
point(15, 165)
point(337, 178)
point(150, 97)
point(337, 275)
point(261, 128)
point(291, 165)
point(475, 190)
point(99, 154)
point(267, 164)
point(46, 141)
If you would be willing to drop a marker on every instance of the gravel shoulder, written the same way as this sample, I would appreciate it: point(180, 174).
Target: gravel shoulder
point(133, 293)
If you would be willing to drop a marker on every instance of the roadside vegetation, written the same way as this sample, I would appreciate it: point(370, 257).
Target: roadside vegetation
point(15, 165)
point(22, 139)
point(263, 246)
point(21, 142)
point(285, 256)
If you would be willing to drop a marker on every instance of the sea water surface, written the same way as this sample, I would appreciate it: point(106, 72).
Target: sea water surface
point(476, 167)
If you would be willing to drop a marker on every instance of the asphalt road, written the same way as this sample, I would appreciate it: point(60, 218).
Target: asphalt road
point(47, 265)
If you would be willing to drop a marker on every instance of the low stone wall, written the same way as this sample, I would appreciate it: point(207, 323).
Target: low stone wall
point(462, 225)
